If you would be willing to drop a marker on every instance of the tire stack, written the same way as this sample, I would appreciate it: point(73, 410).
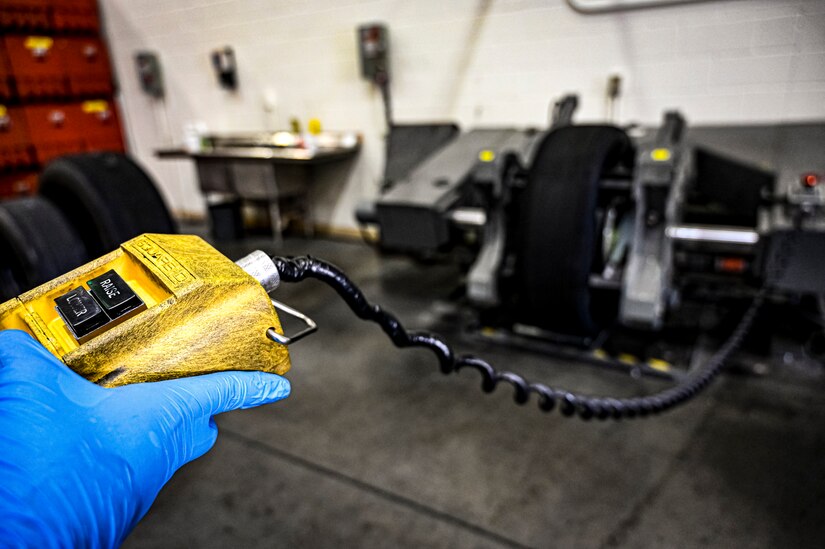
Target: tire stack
point(88, 204)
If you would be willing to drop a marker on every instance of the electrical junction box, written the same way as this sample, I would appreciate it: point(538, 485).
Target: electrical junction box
point(149, 73)
point(374, 51)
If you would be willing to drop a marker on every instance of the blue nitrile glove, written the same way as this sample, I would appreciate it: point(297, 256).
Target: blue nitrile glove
point(79, 464)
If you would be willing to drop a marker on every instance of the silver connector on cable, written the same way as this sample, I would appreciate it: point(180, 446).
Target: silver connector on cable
point(261, 267)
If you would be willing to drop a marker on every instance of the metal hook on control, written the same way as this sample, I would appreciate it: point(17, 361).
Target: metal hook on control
point(283, 339)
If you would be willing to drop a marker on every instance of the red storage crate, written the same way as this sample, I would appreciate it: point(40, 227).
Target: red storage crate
point(16, 149)
point(75, 15)
point(37, 65)
point(54, 129)
point(100, 126)
point(18, 184)
point(87, 66)
point(6, 89)
point(24, 14)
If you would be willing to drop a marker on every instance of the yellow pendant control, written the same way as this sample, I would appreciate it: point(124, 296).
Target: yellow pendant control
point(159, 307)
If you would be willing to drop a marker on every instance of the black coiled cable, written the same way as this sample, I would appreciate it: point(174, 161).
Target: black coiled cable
point(586, 407)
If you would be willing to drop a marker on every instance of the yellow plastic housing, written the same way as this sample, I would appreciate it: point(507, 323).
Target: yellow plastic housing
point(203, 314)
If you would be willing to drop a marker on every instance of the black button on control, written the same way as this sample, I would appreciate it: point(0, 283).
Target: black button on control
point(81, 312)
point(113, 294)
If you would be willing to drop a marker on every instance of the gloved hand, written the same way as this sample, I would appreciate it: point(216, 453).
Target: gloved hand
point(79, 464)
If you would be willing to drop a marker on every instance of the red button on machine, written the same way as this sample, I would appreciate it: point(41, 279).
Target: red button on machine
point(810, 180)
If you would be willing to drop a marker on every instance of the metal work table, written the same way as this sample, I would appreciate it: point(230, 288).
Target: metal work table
point(286, 155)
point(264, 167)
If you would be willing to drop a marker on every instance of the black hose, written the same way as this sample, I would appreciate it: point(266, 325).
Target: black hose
point(586, 407)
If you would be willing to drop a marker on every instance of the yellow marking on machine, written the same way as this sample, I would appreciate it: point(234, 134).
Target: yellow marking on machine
point(486, 155)
point(601, 354)
point(660, 365)
point(626, 358)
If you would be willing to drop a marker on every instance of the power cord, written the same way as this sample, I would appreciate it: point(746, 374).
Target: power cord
point(296, 269)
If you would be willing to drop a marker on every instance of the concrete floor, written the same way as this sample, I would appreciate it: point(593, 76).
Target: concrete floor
point(375, 448)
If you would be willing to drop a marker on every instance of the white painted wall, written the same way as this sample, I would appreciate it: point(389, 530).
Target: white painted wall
point(479, 62)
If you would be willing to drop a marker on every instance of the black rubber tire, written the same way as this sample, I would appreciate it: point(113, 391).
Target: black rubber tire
point(9, 288)
point(106, 197)
point(37, 244)
point(558, 241)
